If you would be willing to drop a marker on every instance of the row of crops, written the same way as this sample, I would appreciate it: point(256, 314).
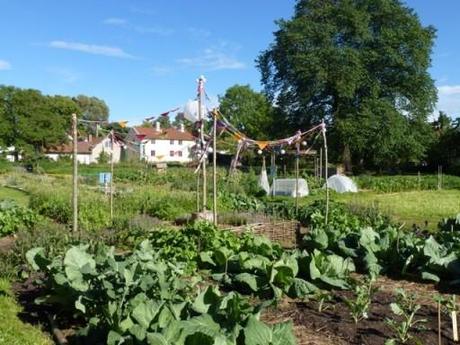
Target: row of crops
point(200, 285)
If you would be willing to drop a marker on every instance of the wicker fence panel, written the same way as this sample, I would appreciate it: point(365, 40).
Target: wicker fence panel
point(286, 233)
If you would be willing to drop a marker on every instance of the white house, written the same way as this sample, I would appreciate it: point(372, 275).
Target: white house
point(88, 151)
point(10, 154)
point(157, 145)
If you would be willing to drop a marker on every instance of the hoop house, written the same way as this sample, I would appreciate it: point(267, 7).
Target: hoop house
point(342, 184)
point(287, 187)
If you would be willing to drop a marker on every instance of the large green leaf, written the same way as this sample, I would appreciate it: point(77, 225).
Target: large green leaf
point(36, 258)
point(282, 334)
point(257, 333)
point(145, 312)
point(248, 279)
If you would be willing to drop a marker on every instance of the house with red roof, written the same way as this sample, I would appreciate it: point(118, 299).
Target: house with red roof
point(88, 150)
point(161, 145)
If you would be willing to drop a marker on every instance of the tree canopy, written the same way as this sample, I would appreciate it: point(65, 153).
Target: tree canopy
point(248, 110)
point(31, 121)
point(92, 108)
point(362, 65)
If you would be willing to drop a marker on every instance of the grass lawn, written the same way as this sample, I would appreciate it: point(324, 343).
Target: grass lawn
point(14, 194)
point(12, 330)
point(416, 207)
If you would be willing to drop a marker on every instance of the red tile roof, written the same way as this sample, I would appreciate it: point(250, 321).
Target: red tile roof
point(164, 133)
point(83, 147)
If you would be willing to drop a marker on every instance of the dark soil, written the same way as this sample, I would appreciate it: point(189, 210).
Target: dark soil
point(334, 325)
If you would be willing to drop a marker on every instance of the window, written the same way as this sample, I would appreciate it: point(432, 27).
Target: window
point(180, 142)
point(152, 153)
point(179, 153)
point(171, 153)
point(171, 142)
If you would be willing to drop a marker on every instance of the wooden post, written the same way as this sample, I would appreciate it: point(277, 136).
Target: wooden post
point(325, 171)
point(297, 178)
point(111, 174)
point(439, 323)
point(75, 174)
point(201, 81)
point(198, 178)
point(453, 315)
point(320, 164)
point(214, 167)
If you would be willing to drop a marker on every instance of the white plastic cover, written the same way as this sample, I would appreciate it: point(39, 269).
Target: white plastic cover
point(287, 187)
point(191, 110)
point(341, 184)
point(263, 181)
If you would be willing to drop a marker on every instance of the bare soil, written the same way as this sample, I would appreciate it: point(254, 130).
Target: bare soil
point(334, 325)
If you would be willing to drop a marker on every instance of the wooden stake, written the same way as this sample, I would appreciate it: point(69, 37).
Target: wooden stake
point(325, 172)
point(320, 163)
point(111, 174)
point(439, 323)
point(214, 168)
point(297, 178)
point(75, 174)
point(201, 81)
point(453, 315)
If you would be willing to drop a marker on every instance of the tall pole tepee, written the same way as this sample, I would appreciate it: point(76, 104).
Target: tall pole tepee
point(201, 80)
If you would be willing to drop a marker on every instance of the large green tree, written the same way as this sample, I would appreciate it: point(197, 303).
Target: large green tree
point(362, 65)
point(31, 121)
point(92, 108)
point(249, 111)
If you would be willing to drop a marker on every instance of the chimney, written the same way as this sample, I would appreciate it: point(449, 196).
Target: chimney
point(157, 126)
point(182, 128)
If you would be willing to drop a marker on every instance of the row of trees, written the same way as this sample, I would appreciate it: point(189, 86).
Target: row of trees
point(31, 121)
point(362, 66)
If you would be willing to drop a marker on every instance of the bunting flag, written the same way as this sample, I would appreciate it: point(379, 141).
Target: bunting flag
point(262, 144)
point(166, 113)
point(123, 124)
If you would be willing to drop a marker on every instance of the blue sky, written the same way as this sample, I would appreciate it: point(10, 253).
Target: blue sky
point(143, 57)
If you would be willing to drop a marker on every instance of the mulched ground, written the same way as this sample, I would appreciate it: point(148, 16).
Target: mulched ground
point(334, 325)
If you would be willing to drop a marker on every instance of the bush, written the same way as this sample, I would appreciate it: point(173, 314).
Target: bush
point(14, 217)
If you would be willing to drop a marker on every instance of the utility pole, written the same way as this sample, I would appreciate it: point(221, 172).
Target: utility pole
point(201, 80)
point(214, 167)
point(75, 174)
point(111, 174)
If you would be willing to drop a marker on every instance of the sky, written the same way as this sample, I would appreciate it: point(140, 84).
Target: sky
point(143, 57)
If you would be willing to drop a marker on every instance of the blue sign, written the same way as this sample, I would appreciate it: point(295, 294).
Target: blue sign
point(105, 177)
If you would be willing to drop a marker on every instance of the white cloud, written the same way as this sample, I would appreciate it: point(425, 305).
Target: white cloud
point(212, 59)
point(4, 65)
point(115, 21)
point(449, 100)
point(92, 49)
point(66, 75)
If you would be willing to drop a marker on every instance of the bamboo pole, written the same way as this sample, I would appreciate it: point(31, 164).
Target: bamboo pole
point(325, 171)
point(214, 168)
point(111, 174)
point(453, 315)
point(297, 178)
point(201, 81)
point(75, 175)
point(439, 323)
point(320, 163)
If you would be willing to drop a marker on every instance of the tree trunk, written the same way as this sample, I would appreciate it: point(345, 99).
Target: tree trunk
point(346, 156)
